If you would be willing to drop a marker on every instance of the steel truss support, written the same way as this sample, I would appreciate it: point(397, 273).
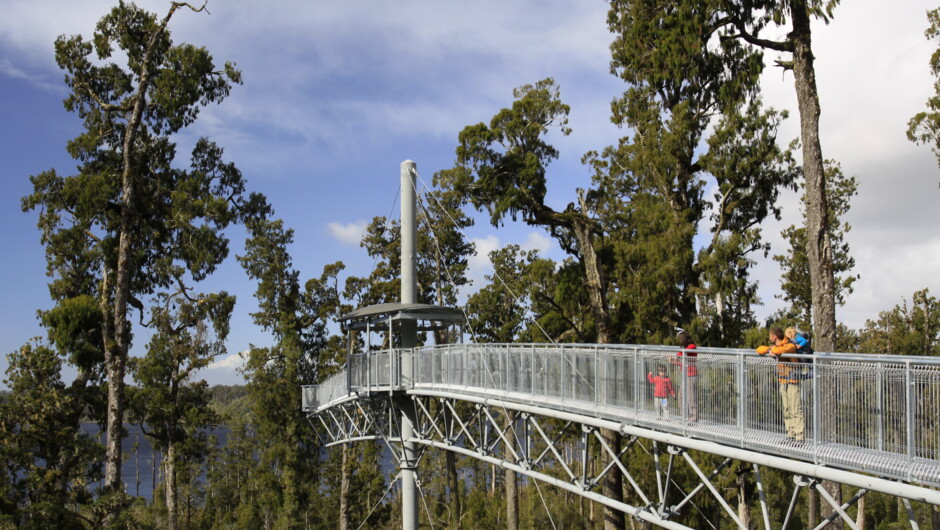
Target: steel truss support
point(556, 448)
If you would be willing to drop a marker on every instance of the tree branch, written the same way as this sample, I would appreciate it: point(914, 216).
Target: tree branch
point(780, 46)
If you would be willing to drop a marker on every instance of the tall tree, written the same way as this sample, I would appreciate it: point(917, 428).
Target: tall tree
point(746, 20)
point(297, 318)
point(924, 127)
point(696, 121)
point(128, 223)
point(796, 284)
point(171, 407)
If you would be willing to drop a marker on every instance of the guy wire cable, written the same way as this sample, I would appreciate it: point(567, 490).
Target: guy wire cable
point(511, 293)
point(489, 371)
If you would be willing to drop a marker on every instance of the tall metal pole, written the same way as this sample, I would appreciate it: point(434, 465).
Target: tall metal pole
point(409, 338)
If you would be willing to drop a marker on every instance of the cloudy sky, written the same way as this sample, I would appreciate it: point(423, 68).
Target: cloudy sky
point(337, 94)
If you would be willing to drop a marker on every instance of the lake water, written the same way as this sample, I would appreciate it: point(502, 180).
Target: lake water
point(141, 463)
point(140, 460)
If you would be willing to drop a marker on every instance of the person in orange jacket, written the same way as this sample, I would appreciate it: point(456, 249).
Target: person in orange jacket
point(788, 373)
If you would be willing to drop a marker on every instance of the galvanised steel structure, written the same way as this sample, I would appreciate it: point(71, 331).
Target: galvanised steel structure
point(870, 421)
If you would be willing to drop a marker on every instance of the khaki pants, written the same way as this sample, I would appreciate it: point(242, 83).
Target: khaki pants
point(691, 396)
point(792, 410)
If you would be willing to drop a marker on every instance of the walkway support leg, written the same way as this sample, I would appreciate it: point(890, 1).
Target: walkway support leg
point(763, 498)
point(799, 482)
point(715, 492)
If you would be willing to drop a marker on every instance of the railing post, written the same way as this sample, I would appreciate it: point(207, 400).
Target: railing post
point(684, 400)
point(881, 404)
point(742, 396)
point(564, 373)
point(597, 379)
point(532, 370)
point(909, 380)
point(817, 410)
point(636, 382)
point(505, 365)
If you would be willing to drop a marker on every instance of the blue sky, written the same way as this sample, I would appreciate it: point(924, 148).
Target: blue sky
point(337, 94)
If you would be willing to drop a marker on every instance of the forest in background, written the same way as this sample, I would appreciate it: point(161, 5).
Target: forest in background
point(132, 234)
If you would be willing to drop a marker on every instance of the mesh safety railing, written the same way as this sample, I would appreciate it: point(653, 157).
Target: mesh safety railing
point(876, 414)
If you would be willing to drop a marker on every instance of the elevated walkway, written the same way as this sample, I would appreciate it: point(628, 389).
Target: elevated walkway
point(876, 415)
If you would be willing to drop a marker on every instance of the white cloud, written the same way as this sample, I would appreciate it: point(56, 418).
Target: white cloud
point(225, 370)
point(478, 266)
point(349, 234)
point(9, 69)
point(537, 241)
point(229, 362)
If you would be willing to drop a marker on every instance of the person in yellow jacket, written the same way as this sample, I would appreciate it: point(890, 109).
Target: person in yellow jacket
point(788, 377)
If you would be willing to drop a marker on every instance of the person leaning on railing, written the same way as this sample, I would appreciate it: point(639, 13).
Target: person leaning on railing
point(690, 386)
point(788, 375)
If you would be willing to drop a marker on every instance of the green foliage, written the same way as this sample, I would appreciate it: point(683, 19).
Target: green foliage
point(74, 326)
point(509, 156)
point(924, 127)
point(497, 312)
point(905, 330)
point(796, 286)
point(687, 90)
point(48, 462)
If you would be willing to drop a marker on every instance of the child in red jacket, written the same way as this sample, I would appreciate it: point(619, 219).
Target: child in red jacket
point(662, 391)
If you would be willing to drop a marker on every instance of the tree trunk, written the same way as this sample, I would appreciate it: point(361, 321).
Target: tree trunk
point(597, 292)
point(345, 473)
point(595, 282)
point(450, 460)
point(509, 476)
point(169, 483)
point(743, 513)
point(137, 466)
point(812, 508)
point(818, 246)
point(860, 516)
point(613, 484)
point(509, 479)
point(492, 491)
point(153, 472)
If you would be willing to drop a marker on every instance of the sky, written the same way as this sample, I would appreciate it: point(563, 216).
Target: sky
point(337, 94)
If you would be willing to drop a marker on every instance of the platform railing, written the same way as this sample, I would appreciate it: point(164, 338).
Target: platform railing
point(869, 412)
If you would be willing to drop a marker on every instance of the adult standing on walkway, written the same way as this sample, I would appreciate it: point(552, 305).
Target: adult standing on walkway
point(690, 380)
point(788, 375)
